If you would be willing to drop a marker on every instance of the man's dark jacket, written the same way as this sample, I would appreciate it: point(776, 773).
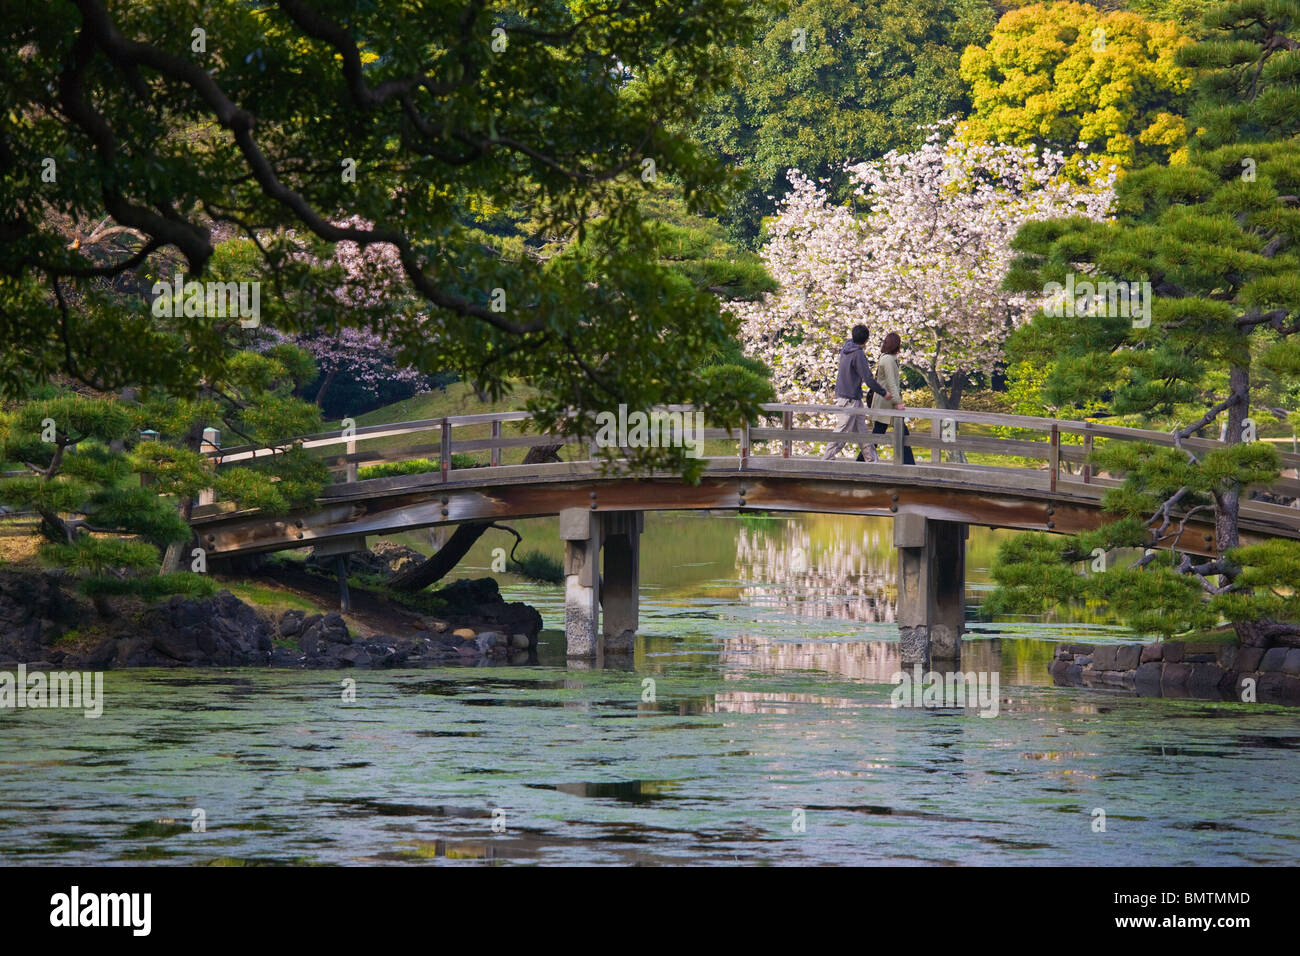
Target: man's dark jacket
point(854, 371)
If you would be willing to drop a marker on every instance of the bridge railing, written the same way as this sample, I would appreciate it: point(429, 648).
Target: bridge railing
point(783, 428)
point(946, 435)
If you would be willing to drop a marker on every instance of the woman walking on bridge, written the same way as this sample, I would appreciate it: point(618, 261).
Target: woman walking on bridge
point(888, 374)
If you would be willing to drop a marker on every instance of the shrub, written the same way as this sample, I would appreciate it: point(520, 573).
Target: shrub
point(537, 566)
point(151, 587)
point(412, 466)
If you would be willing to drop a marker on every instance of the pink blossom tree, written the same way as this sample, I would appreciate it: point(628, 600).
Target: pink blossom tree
point(925, 258)
point(359, 355)
point(369, 281)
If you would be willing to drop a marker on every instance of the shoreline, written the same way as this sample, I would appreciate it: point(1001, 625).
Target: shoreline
point(1204, 670)
point(293, 621)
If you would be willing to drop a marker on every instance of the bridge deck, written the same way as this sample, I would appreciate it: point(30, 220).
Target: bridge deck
point(768, 473)
point(996, 496)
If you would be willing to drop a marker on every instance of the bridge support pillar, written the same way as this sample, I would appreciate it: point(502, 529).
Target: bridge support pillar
point(620, 586)
point(931, 588)
point(340, 549)
point(601, 612)
point(580, 530)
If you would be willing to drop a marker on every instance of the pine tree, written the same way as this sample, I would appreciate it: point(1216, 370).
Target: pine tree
point(1218, 239)
point(114, 479)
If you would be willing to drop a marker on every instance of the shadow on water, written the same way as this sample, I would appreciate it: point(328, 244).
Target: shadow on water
point(626, 791)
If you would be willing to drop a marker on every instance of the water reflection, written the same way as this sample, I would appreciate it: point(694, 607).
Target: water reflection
point(1016, 661)
point(771, 657)
point(464, 765)
point(872, 662)
point(846, 574)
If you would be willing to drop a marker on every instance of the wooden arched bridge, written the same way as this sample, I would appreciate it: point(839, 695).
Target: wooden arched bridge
point(1038, 481)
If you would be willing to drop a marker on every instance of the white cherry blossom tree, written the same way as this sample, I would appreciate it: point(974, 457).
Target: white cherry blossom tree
point(923, 253)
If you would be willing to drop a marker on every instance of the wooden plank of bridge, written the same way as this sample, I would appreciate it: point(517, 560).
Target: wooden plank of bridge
point(1008, 497)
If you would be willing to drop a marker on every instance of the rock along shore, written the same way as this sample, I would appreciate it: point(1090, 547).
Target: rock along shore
point(1184, 669)
point(38, 617)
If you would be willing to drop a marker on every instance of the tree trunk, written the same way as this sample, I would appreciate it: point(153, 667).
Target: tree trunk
point(1227, 503)
point(53, 528)
point(936, 387)
point(324, 386)
point(954, 393)
point(172, 558)
point(127, 395)
point(946, 398)
point(541, 454)
point(448, 556)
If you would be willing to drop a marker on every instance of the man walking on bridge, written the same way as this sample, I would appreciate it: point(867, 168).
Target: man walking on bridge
point(854, 371)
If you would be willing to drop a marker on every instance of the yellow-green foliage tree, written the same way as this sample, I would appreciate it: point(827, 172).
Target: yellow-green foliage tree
point(1058, 74)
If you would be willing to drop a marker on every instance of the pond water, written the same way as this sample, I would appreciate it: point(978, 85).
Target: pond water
point(754, 725)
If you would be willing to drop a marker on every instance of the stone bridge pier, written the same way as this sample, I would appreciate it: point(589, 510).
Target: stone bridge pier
point(601, 603)
point(601, 608)
point(931, 588)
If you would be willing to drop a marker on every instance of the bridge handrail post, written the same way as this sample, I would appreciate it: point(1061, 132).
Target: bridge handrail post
point(1054, 461)
point(444, 449)
point(787, 423)
point(210, 445)
point(1087, 453)
point(146, 478)
point(496, 437)
point(744, 446)
point(897, 425)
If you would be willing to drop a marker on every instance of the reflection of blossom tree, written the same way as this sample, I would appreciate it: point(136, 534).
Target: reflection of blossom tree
point(852, 578)
point(870, 662)
point(873, 662)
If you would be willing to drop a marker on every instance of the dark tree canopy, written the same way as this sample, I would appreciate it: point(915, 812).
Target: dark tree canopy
point(833, 81)
point(137, 135)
